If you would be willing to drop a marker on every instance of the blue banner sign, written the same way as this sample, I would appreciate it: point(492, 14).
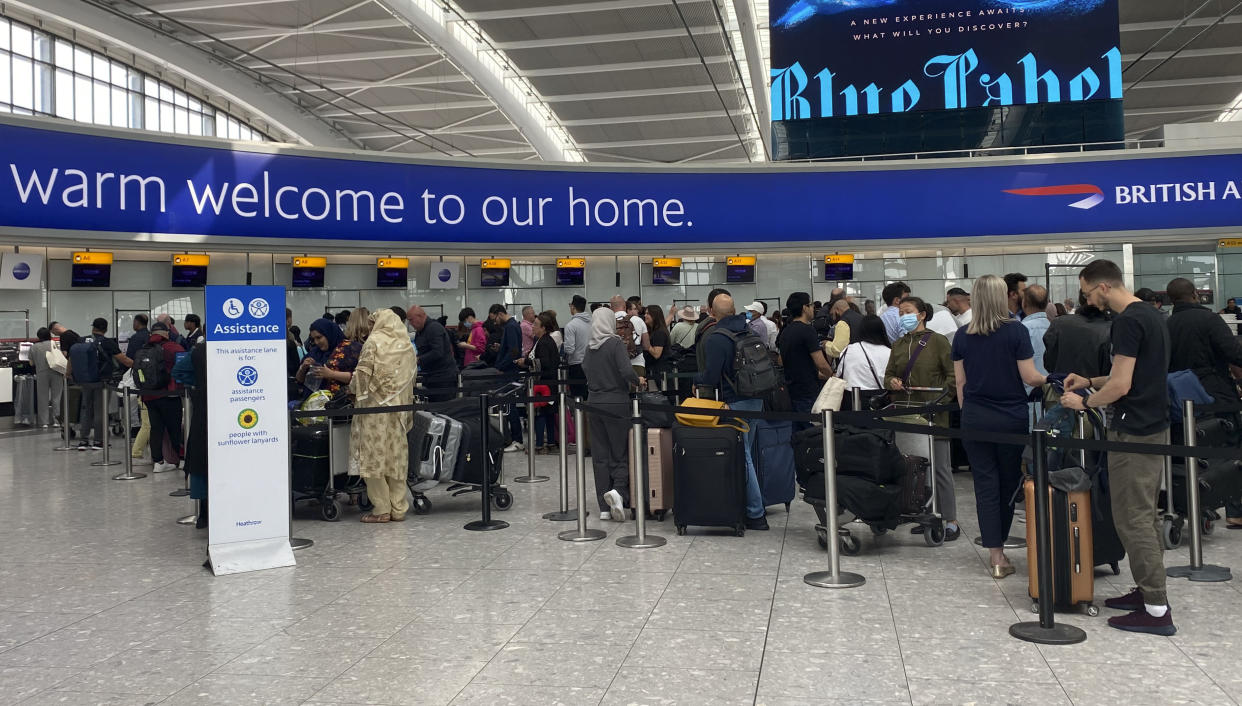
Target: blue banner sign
point(833, 58)
point(72, 180)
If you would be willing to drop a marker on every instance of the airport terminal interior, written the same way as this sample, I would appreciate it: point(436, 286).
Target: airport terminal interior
point(275, 272)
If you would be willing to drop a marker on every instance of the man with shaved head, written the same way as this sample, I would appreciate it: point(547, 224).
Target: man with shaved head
point(437, 366)
point(717, 374)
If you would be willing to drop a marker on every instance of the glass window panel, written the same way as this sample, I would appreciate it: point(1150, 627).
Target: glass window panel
point(209, 125)
point(234, 129)
point(102, 103)
point(43, 45)
point(23, 75)
point(151, 114)
point(151, 87)
point(222, 127)
point(21, 39)
point(4, 108)
point(119, 108)
point(64, 54)
point(120, 74)
point(64, 94)
point(166, 92)
point(135, 80)
point(196, 124)
point(4, 33)
point(43, 87)
point(6, 91)
point(82, 110)
point(82, 60)
point(100, 68)
point(135, 110)
point(181, 120)
point(195, 104)
point(180, 99)
point(22, 111)
point(166, 117)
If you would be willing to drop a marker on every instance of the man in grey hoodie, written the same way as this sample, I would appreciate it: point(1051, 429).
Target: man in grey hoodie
point(577, 333)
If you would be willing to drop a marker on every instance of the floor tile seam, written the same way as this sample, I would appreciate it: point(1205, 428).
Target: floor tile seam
point(767, 630)
point(1204, 670)
point(85, 616)
point(905, 670)
point(521, 627)
point(646, 621)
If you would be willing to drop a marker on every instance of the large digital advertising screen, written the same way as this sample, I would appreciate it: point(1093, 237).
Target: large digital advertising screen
point(836, 58)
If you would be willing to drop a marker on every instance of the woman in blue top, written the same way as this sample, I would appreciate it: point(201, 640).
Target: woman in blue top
point(992, 358)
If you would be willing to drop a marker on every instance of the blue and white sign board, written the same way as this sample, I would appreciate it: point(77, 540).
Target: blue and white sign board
point(247, 429)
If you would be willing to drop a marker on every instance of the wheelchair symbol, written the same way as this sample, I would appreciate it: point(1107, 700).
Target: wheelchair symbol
point(233, 308)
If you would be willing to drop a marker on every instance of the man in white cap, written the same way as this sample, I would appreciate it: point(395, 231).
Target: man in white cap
point(758, 322)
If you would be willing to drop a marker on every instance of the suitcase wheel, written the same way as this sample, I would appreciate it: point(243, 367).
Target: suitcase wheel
point(659, 515)
point(1208, 526)
point(422, 505)
point(821, 536)
point(1091, 609)
point(1116, 568)
point(933, 534)
point(1172, 533)
point(849, 545)
point(739, 531)
point(681, 530)
point(331, 511)
point(503, 499)
point(1035, 607)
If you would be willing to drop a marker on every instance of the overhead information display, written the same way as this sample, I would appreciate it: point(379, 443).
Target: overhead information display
point(833, 58)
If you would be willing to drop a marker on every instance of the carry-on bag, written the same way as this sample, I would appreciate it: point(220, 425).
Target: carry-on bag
point(709, 478)
point(915, 491)
point(773, 456)
point(24, 400)
point(657, 460)
point(1073, 562)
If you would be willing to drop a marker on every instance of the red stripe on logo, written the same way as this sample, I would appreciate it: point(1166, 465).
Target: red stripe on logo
point(1063, 190)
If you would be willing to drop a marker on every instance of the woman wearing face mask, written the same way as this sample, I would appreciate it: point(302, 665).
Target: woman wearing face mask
point(922, 358)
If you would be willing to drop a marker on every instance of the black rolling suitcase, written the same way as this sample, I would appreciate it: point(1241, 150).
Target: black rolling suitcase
point(469, 465)
point(709, 478)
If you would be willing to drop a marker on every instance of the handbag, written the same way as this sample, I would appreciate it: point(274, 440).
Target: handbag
point(56, 360)
point(709, 421)
point(886, 398)
point(830, 396)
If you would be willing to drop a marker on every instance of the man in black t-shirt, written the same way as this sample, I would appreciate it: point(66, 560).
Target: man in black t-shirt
point(1137, 395)
point(436, 363)
point(805, 365)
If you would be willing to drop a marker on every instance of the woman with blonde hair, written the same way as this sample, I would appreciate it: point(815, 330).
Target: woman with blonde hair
point(384, 377)
point(992, 358)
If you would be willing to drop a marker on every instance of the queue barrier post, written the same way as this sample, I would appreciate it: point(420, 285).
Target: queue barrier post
point(485, 523)
point(1045, 631)
point(856, 396)
point(562, 435)
point(67, 442)
point(581, 534)
point(107, 433)
point(1196, 570)
point(184, 490)
point(833, 577)
point(530, 476)
point(640, 539)
point(129, 473)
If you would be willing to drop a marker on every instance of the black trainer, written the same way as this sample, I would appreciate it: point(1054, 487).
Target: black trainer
point(1130, 602)
point(757, 523)
point(1142, 621)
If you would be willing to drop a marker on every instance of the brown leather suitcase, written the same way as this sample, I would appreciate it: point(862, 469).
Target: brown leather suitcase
point(658, 459)
point(1073, 562)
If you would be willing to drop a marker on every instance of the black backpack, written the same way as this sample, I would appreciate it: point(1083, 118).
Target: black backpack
point(149, 370)
point(754, 375)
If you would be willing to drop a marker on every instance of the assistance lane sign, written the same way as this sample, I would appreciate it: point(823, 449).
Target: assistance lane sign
point(247, 429)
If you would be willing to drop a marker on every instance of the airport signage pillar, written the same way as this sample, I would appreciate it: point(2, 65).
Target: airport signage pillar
point(247, 429)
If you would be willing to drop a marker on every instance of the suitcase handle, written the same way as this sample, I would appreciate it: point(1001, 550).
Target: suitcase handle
point(1077, 552)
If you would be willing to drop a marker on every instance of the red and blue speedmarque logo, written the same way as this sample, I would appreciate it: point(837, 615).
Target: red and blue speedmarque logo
point(1095, 196)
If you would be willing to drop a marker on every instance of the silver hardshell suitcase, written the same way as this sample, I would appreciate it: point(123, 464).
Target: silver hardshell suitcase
point(434, 444)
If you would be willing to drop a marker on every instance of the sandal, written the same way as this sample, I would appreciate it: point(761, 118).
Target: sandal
point(396, 518)
point(372, 519)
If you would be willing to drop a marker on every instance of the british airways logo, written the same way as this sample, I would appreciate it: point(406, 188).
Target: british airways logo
point(1094, 194)
point(1137, 194)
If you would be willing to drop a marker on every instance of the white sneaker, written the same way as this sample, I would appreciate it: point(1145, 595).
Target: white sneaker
point(162, 467)
point(515, 446)
point(616, 506)
point(605, 516)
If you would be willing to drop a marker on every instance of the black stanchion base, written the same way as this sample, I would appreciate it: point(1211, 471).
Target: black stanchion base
point(1056, 635)
point(567, 516)
point(488, 526)
point(1208, 573)
point(586, 535)
point(179, 493)
point(633, 541)
point(531, 479)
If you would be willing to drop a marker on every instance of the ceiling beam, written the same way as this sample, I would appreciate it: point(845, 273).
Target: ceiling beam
point(414, 108)
point(650, 65)
point(652, 118)
point(278, 32)
point(550, 42)
point(1186, 82)
point(642, 93)
point(1185, 54)
point(660, 142)
point(1175, 109)
point(1170, 24)
point(756, 67)
point(343, 58)
point(569, 9)
point(199, 5)
point(346, 85)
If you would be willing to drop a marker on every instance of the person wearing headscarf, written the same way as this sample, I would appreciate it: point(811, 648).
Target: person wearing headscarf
point(378, 450)
point(609, 379)
point(328, 362)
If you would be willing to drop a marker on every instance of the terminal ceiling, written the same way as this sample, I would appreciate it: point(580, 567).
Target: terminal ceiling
point(597, 80)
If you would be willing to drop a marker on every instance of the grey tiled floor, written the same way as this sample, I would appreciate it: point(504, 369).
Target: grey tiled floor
point(103, 601)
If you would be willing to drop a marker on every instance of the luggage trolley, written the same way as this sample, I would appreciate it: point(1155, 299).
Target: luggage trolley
point(432, 453)
point(927, 517)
